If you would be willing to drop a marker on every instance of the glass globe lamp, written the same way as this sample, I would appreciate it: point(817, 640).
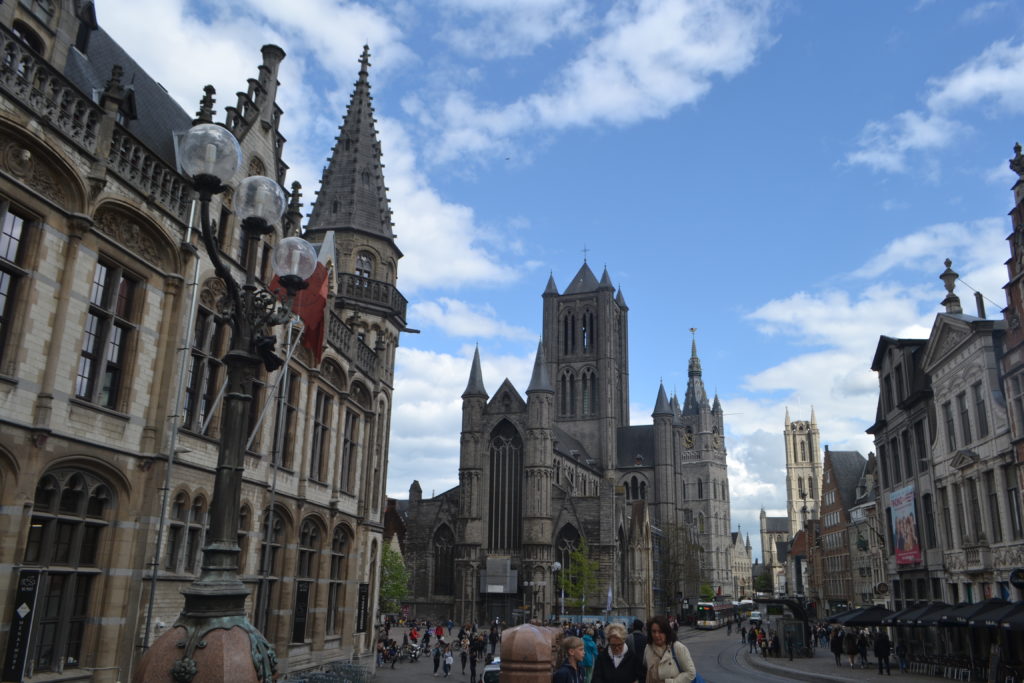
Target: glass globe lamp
point(293, 261)
point(259, 202)
point(209, 154)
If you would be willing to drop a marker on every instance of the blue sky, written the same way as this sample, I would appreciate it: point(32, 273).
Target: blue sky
point(785, 177)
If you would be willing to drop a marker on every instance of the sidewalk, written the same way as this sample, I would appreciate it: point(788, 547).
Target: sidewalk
point(822, 667)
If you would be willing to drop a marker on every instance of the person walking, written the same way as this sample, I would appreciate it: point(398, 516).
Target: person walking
point(751, 639)
point(901, 656)
point(850, 647)
point(493, 638)
point(437, 657)
point(472, 665)
point(836, 645)
point(464, 653)
point(883, 648)
point(667, 660)
point(618, 663)
point(570, 670)
point(449, 659)
point(589, 654)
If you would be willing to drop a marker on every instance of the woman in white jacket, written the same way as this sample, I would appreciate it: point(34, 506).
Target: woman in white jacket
point(667, 660)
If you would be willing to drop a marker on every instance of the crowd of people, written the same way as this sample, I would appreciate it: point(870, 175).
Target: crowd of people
point(471, 646)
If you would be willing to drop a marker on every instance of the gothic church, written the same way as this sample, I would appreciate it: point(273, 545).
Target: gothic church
point(540, 473)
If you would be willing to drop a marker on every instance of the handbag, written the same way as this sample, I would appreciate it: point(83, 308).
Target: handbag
point(697, 677)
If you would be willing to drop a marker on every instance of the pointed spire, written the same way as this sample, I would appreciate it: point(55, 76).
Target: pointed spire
point(949, 278)
point(475, 387)
point(696, 396)
point(352, 193)
point(787, 416)
point(584, 281)
point(606, 280)
point(621, 300)
point(717, 406)
point(552, 288)
point(814, 420)
point(661, 405)
point(748, 540)
point(540, 380)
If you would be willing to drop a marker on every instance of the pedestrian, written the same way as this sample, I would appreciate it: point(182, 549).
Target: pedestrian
point(437, 657)
point(901, 656)
point(728, 629)
point(570, 670)
point(464, 654)
point(449, 659)
point(751, 639)
point(493, 638)
point(472, 666)
point(618, 663)
point(666, 658)
point(850, 647)
point(743, 634)
point(862, 648)
point(836, 644)
point(589, 654)
point(883, 648)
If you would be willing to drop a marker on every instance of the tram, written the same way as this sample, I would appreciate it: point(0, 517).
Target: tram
point(712, 615)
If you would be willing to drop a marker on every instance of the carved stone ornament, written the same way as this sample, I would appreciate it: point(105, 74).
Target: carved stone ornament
point(131, 235)
point(949, 339)
point(332, 373)
point(23, 165)
point(213, 295)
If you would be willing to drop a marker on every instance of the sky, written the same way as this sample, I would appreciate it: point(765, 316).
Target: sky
point(785, 177)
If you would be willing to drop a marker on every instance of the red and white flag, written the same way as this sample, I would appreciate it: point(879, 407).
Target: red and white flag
point(310, 303)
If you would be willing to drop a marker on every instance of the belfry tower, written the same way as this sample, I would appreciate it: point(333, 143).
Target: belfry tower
point(803, 471)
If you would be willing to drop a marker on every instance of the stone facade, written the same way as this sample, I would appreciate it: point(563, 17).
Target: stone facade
point(111, 339)
point(803, 471)
point(539, 474)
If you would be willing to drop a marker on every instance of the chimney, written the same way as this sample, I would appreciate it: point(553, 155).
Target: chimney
point(980, 301)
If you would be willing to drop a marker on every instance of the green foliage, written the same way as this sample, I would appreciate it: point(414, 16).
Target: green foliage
point(763, 584)
point(707, 593)
point(579, 579)
point(394, 580)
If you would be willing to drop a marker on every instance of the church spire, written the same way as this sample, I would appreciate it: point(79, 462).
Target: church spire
point(696, 397)
point(352, 193)
point(606, 280)
point(787, 416)
point(661, 406)
point(475, 387)
point(814, 420)
point(540, 380)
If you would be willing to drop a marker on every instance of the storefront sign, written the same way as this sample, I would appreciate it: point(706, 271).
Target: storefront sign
point(904, 526)
point(21, 626)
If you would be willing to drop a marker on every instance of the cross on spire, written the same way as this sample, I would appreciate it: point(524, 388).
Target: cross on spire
point(585, 251)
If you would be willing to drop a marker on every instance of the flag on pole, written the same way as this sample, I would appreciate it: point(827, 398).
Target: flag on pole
point(608, 608)
point(310, 303)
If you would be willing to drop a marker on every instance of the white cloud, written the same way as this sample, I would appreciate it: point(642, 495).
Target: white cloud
point(652, 57)
point(460, 319)
point(508, 28)
point(981, 10)
point(994, 79)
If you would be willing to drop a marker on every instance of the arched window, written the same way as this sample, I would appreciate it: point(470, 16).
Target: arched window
point(643, 490)
point(364, 265)
point(444, 561)
point(305, 578)
point(176, 530)
point(340, 543)
point(196, 528)
point(30, 37)
point(506, 476)
point(700, 489)
point(69, 519)
point(587, 331)
point(567, 541)
point(803, 451)
point(800, 486)
point(810, 485)
point(588, 390)
point(569, 333)
point(700, 522)
point(244, 527)
point(274, 534)
point(567, 394)
point(634, 489)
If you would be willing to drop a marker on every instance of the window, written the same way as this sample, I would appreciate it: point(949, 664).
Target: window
point(908, 453)
point(321, 432)
point(700, 489)
point(588, 390)
point(980, 411)
point(305, 575)
point(364, 266)
point(929, 519)
point(921, 446)
point(965, 417)
point(587, 330)
point(444, 561)
point(567, 394)
point(194, 542)
point(947, 415)
point(947, 517)
point(28, 36)
point(887, 393)
point(203, 385)
point(244, 527)
point(348, 447)
point(894, 448)
point(340, 543)
point(958, 505)
point(803, 451)
point(11, 273)
point(108, 329)
point(993, 506)
point(176, 531)
point(1013, 501)
point(883, 465)
point(898, 382)
point(976, 525)
point(69, 518)
point(287, 421)
point(270, 566)
point(1016, 386)
point(506, 476)
point(568, 333)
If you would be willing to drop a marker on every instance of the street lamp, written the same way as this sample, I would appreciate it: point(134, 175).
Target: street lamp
point(212, 640)
point(555, 568)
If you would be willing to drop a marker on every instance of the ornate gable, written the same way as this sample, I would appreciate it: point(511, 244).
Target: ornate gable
point(506, 400)
point(947, 334)
point(963, 459)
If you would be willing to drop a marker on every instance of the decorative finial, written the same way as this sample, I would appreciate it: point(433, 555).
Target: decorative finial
point(1017, 162)
point(693, 332)
point(949, 278)
point(205, 113)
point(585, 250)
point(364, 62)
point(115, 77)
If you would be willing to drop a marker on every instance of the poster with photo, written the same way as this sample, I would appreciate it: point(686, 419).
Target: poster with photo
point(904, 526)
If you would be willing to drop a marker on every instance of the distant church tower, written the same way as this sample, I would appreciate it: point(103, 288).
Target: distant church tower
point(803, 471)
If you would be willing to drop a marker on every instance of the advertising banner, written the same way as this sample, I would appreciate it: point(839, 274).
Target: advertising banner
point(904, 526)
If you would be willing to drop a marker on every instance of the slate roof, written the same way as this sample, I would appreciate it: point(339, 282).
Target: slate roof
point(781, 550)
point(633, 440)
point(847, 467)
point(157, 115)
point(583, 283)
point(565, 444)
point(776, 525)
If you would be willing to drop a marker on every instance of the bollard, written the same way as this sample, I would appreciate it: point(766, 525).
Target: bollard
point(526, 654)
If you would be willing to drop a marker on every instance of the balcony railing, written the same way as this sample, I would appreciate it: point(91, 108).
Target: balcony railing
point(372, 291)
point(345, 340)
point(132, 161)
point(978, 556)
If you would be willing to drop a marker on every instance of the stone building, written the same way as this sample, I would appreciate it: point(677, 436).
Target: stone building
point(111, 337)
point(868, 567)
point(774, 530)
point(803, 471)
point(742, 564)
point(539, 474)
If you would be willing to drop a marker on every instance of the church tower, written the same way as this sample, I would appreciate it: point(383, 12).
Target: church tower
point(803, 471)
point(585, 331)
point(352, 204)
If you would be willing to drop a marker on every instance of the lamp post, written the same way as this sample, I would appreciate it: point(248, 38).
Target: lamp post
point(555, 568)
point(212, 640)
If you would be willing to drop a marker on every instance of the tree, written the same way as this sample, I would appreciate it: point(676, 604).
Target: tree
point(680, 565)
point(579, 579)
point(394, 580)
point(707, 593)
point(763, 583)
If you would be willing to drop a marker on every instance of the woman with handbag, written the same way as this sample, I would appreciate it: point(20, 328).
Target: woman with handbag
point(667, 660)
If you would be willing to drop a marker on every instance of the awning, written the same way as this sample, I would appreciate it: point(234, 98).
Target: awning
point(1015, 620)
point(961, 614)
point(995, 617)
point(911, 615)
point(892, 618)
point(863, 616)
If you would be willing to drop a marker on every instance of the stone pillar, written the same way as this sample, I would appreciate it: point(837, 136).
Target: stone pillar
point(527, 654)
